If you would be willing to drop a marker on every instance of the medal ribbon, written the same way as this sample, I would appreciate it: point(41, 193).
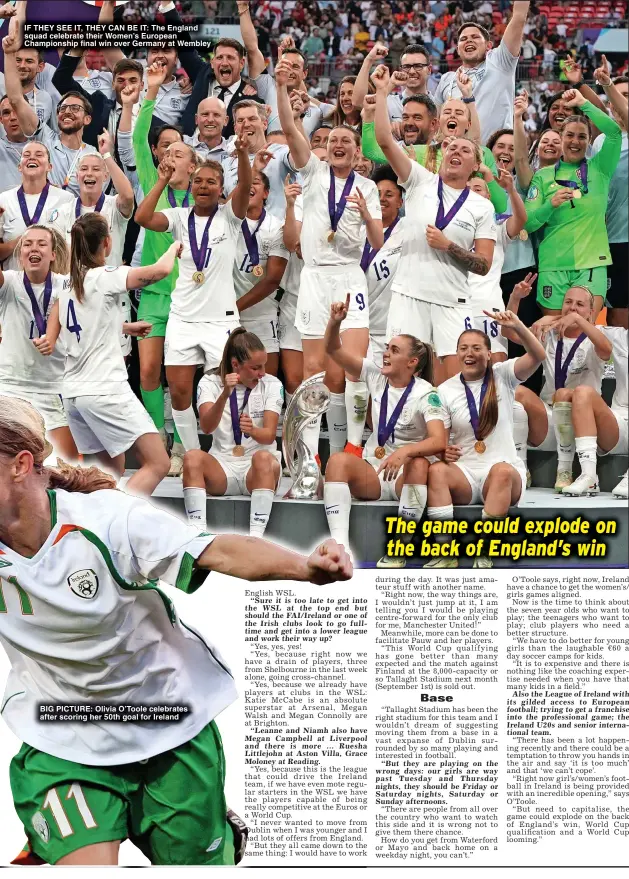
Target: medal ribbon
point(582, 174)
point(336, 212)
point(386, 428)
point(501, 218)
point(442, 221)
point(28, 221)
point(75, 162)
point(40, 318)
point(235, 414)
point(199, 254)
point(369, 252)
point(97, 209)
point(471, 402)
point(172, 201)
point(561, 369)
point(250, 239)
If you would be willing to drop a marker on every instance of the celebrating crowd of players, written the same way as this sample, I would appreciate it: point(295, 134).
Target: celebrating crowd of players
point(405, 243)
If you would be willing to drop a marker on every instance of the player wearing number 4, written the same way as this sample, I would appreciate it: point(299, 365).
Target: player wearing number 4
point(105, 416)
point(444, 221)
point(261, 259)
point(26, 300)
point(341, 211)
point(82, 621)
point(408, 425)
point(481, 462)
point(239, 405)
point(203, 309)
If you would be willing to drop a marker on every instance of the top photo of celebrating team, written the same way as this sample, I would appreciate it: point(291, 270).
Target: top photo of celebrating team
point(342, 251)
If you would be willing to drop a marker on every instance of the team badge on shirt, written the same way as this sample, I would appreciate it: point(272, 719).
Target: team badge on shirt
point(41, 828)
point(84, 583)
point(532, 193)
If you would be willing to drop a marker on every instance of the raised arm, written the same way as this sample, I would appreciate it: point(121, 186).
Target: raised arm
point(466, 87)
point(255, 58)
point(393, 153)
point(514, 32)
point(240, 195)
point(292, 226)
point(607, 157)
point(297, 144)
point(145, 275)
point(617, 100)
point(519, 292)
point(27, 117)
point(376, 55)
point(523, 168)
point(146, 214)
point(124, 199)
point(351, 363)
point(106, 16)
point(517, 221)
point(526, 365)
point(599, 340)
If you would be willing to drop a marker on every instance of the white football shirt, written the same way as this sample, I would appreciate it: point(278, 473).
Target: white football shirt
point(21, 365)
point(270, 243)
point(267, 395)
point(500, 445)
point(276, 171)
point(380, 277)
point(618, 336)
point(90, 331)
point(422, 405)
point(64, 217)
point(12, 222)
point(485, 290)
point(427, 273)
point(88, 625)
point(585, 368)
point(213, 301)
point(351, 233)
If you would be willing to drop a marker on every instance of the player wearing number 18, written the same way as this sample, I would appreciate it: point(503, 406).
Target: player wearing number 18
point(82, 621)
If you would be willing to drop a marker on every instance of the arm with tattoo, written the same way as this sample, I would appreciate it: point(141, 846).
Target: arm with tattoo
point(468, 259)
point(477, 261)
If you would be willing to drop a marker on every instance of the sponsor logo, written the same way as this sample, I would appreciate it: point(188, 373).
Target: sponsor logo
point(40, 826)
point(84, 583)
point(214, 845)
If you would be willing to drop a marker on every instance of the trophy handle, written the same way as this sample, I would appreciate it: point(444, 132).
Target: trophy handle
point(309, 402)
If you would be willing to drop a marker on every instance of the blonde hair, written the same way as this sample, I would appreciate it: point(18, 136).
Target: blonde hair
point(22, 429)
point(61, 262)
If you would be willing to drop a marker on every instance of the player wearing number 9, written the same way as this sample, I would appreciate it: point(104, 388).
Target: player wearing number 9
point(105, 416)
point(27, 296)
point(83, 622)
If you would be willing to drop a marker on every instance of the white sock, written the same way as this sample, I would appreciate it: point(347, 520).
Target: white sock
point(337, 423)
point(194, 502)
point(564, 432)
point(445, 513)
point(356, 397)
point(586, 450)
point(186, 424)
point(311, 436)
point(412, 502)
point(261, 503)
point(520, 430)
point(337, 500)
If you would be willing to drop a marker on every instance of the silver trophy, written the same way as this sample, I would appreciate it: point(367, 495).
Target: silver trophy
point(310, 401)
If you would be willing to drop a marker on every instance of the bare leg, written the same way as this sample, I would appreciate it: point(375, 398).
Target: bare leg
point(292, 369)
point(272, 363)
point(618, 317)
point(591, 416)
point(502, 489)
point(115, 466)
point(536, 411)
point(154, 465)
point(64, 444)
point(101, 854)
point(447, 485)
point(151, 354)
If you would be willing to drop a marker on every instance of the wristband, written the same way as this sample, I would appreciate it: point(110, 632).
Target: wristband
point(106, 156)
point(469, 100)
point(579, 84)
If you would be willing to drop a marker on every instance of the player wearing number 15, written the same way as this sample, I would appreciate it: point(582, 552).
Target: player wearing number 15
point(569, 199)
point(82, 622)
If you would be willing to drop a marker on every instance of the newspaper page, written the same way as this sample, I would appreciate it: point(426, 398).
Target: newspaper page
point(407, 651)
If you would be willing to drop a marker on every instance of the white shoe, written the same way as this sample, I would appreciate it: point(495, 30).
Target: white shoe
point(176, 465)
point(394, 562)
point(442, 562)
point(482, 562)
point(564, 479)
point(622, 489)
point(584, 486)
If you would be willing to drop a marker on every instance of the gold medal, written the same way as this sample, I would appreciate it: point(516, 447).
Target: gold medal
point(479, 446)
point(198, 277)
point(577, 193)
point(380, 452)
point(258, 271)
point(331, 236)
point(238, 451)
point(524, 235)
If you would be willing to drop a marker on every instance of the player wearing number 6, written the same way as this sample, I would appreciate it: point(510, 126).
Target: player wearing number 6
point(82, 621)
point(105, 416)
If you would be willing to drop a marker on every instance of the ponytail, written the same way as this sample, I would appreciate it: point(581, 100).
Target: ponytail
point(84, 480)
point(488, 415)
point(240, 345)
point(424, 355)
point(88, 234)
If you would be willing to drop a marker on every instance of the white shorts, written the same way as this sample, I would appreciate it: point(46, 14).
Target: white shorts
point(319, 287)
point(387, 486)
point(477, 476)
point(265, 330)
point(621, 446)
point(289, 335)
point(437, 325)
point(49, 406)
point(487, 325)
point(550, 441)
point(377, 345)
point(196, 344)
point(236, 469)
point(110, 424)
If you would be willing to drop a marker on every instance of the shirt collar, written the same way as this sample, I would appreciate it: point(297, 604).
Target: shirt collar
point(232, 89)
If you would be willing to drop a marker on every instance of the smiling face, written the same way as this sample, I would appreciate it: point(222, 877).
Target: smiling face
point(227, 66)
point(363, 165)
point(459, 159)
point(472, 47)
point(549, 148)
point(71, 115)
point(36, 251)
point(11, 123)
point(574, 141)
point(166, 56)
point(390, 201)
point(319, 138)
point(557, 114)
point(207, 186)
point(168, 137)
point(417, 68)
point(474, 355)
point(258, 193)
point(35, 164)
point(396, 360)
point(454, 119)
point(28, 66)
point(211, 118)
point(252, 370)
point(91, 175)
point(417, 124)
point(249, 125)
point(578, 301)
point(504, 152)
point(297, 70)
point(342, 148)
point(127, 78)
point(346, 92)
